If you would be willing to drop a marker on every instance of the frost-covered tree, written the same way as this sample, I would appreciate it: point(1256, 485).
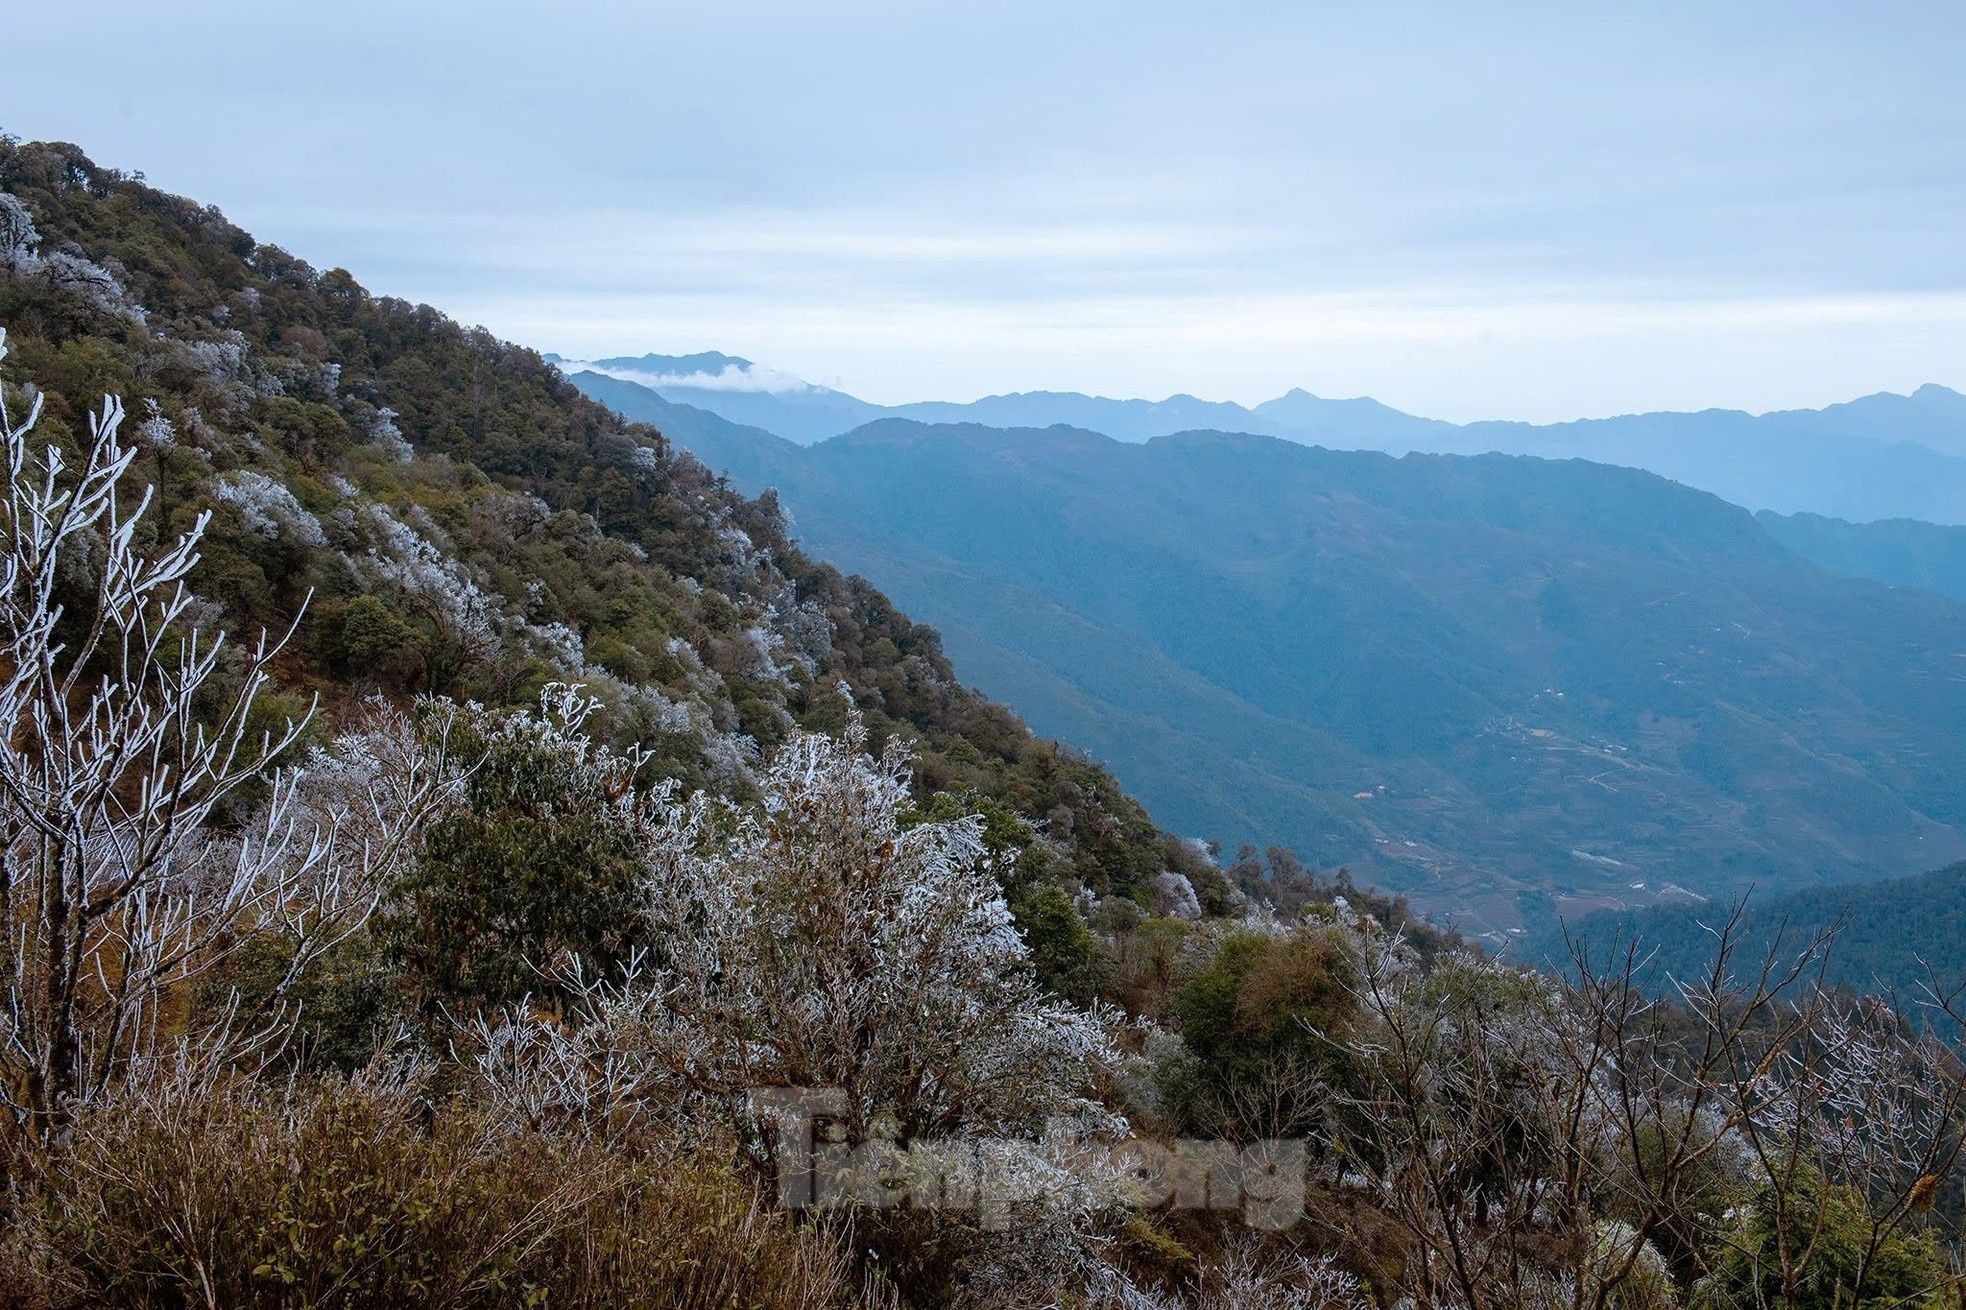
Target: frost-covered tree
point(820, 939)
point(266, 507)
point(122, 737)
point(1473, 1114)
point(21, 256)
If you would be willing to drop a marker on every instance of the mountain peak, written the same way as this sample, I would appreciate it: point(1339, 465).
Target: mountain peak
point(704, 361)
point(709, 370)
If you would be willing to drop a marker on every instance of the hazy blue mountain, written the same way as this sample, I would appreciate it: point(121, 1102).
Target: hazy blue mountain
point(1880, 456)
point(706, 362)
point(1850, 465)
point(1124, 420)
point(1898, 552)
point(1932, 416)
point(1579, 686)
point(1301, 416)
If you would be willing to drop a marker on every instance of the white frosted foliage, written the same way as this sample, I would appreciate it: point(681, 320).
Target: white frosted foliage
point(820, 940)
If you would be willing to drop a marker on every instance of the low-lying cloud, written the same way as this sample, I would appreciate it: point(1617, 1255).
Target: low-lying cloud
point(729, 378)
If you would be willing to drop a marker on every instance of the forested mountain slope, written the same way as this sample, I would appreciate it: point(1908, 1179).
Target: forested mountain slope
point(1891, 938)
point(467, 523)
point(1897, 552)
point(1505, 685)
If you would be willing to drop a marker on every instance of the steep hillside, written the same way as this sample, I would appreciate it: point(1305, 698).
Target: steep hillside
point(467, 523)
point(1505, 685)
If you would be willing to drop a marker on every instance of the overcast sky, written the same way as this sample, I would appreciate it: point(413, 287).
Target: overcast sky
point(1535, 212)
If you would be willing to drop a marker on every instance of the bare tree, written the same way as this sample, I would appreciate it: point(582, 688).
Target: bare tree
point(1599, 1144)
point(1667, 1158)
point(1468, 1117)
point(123, 742)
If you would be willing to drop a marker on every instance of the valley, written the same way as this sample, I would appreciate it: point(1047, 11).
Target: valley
point(1512, 688)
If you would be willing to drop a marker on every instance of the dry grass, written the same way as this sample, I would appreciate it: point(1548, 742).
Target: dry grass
point(351, 1196)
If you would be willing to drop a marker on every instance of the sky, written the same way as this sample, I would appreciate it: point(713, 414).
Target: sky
point(1532, 211)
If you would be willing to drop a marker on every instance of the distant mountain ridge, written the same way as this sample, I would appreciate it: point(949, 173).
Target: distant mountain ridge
point(1579, 686)
point(1892, 938)
point(1897, 552)
point(1876, 457)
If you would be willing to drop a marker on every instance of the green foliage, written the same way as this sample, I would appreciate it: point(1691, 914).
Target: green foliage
point(1069, 958)
point(1263, 1021)
point(374, 642)
point(537, 867)
point(343, 1001)
point(1809, 1246)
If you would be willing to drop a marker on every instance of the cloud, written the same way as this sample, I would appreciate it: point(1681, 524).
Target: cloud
point(1500, 214)
point(1547, 353)
point(729, 378)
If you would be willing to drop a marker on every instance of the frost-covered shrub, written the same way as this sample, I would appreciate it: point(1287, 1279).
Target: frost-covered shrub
point(755, 653)
point(561, 646)
point(1249, 1280)
point(156, 431)
point(466, 618)
point(806, 632)
point(268, 508)
point(820, 941)
point(1176, 895)
point(18, 239)
point(817, 939)
point(221, 361)
point(384, 433)
point(94, 283)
